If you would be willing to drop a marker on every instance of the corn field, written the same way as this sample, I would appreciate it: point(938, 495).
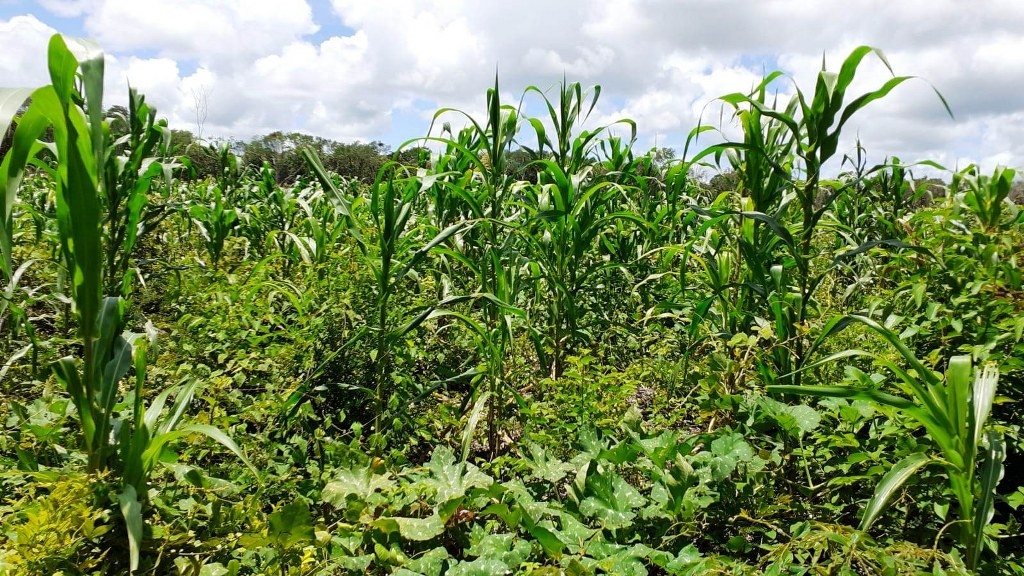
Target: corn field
point(766, 356)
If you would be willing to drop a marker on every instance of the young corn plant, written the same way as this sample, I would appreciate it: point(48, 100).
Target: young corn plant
point(746, 269)
point(798, 142)
point(764, 175)
point(133, 445)
point(953, 411)
point(473, 183)
point(569, 211)
point(213, 212)
point(135, 164)
point(273, 218)
point(987, 197)
point(886, 201)
point(394, 261)
point(321, 229)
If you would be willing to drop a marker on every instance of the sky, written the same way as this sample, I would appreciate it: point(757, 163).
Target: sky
point(379, 69)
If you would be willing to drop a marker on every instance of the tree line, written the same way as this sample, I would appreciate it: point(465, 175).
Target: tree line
point(282, 152)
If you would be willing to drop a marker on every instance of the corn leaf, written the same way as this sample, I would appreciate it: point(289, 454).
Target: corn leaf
point(131, 509)
point(890, 485)
point(984, 394)
point(991, 474)
point(958, 394)
point(474, 419)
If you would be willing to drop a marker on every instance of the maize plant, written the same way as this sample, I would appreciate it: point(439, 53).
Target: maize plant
point(781, 161)
point(130, 445)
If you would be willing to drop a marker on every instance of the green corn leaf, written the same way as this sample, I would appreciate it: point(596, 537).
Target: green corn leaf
point(851, 392)
point(156, 407)
point(67, 373)
point(865, 99)
point(922, 384)
point(114, 354)
point(890, 485)
point(131, 509)
point(11, 100)
point(424, 250)
point(12, 166)
point(474, 419)
point(341, 204)
point(218, 435)
point(891, 244)
point(182, 399)
point(78, 210)
point(958, 399)
point(90, 60)
point(991, 474)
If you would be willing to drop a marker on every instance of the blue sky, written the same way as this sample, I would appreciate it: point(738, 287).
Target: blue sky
point(67, 25)
point(359, 70)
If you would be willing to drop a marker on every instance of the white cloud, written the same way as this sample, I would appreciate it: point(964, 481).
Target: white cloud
point(267, 65)
point(66, 8)
point(224, 31)
point(23, 62)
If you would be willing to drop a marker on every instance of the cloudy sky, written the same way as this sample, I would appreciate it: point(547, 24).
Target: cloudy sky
point(379, 69)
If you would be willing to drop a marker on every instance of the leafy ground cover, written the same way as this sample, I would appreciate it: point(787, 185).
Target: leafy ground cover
point(588, 362)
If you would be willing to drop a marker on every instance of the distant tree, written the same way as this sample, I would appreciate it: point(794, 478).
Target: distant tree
point(117, 120)
point(357, 159)
point(418, 157)
point(202, 160)
point(181, 140)
point(281, 151)
point(662, 156)
point(518, 165)
point(932, 188)
point(722, 182)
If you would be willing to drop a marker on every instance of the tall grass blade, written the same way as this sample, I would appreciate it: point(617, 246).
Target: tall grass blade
point(890, 485)
point(474, 420)
point(218, 435)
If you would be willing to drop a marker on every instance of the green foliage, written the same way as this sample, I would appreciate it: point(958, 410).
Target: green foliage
point(781, 161)
point(57, 528)
point(953, 413)
point(987, 197)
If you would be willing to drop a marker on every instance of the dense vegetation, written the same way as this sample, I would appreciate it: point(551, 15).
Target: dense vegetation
point(530, 351)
